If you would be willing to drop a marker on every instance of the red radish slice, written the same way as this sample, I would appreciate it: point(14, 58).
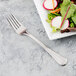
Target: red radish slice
point(48, 4)
point(56, 22)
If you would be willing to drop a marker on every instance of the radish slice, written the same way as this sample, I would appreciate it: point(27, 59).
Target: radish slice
point(48, 5)
point(56, 22)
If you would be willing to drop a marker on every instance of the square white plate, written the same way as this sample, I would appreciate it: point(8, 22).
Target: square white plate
point(43, 15)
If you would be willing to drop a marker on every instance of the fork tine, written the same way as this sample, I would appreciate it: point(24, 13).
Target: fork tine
point(18, 27)
point(16, 20)
point(11, 23)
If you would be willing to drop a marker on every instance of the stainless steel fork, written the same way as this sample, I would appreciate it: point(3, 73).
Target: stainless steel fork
point(20, 29)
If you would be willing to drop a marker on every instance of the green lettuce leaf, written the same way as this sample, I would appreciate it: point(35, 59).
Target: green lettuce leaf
point(65, 2)
point(74, 18)
point(64, 8)
point(72, 25)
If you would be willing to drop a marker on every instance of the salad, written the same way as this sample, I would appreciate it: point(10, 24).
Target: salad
point(61, 15)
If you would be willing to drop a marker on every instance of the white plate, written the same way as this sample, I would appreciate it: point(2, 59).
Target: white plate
point(43, 15)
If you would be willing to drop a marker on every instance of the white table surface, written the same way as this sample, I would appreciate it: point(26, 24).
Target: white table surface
point(21, 56)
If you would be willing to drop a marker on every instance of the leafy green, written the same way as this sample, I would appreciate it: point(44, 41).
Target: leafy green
point(70, 20)
point(54, 29)
point(47, 20)
point(66, 2)
point(51, 15)
point(72, 25)
point(64, 7)
point(74, 18)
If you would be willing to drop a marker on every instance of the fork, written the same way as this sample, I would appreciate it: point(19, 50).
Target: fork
point(21, 30)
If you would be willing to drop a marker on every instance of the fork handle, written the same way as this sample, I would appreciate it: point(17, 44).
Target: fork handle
point(58, 58)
